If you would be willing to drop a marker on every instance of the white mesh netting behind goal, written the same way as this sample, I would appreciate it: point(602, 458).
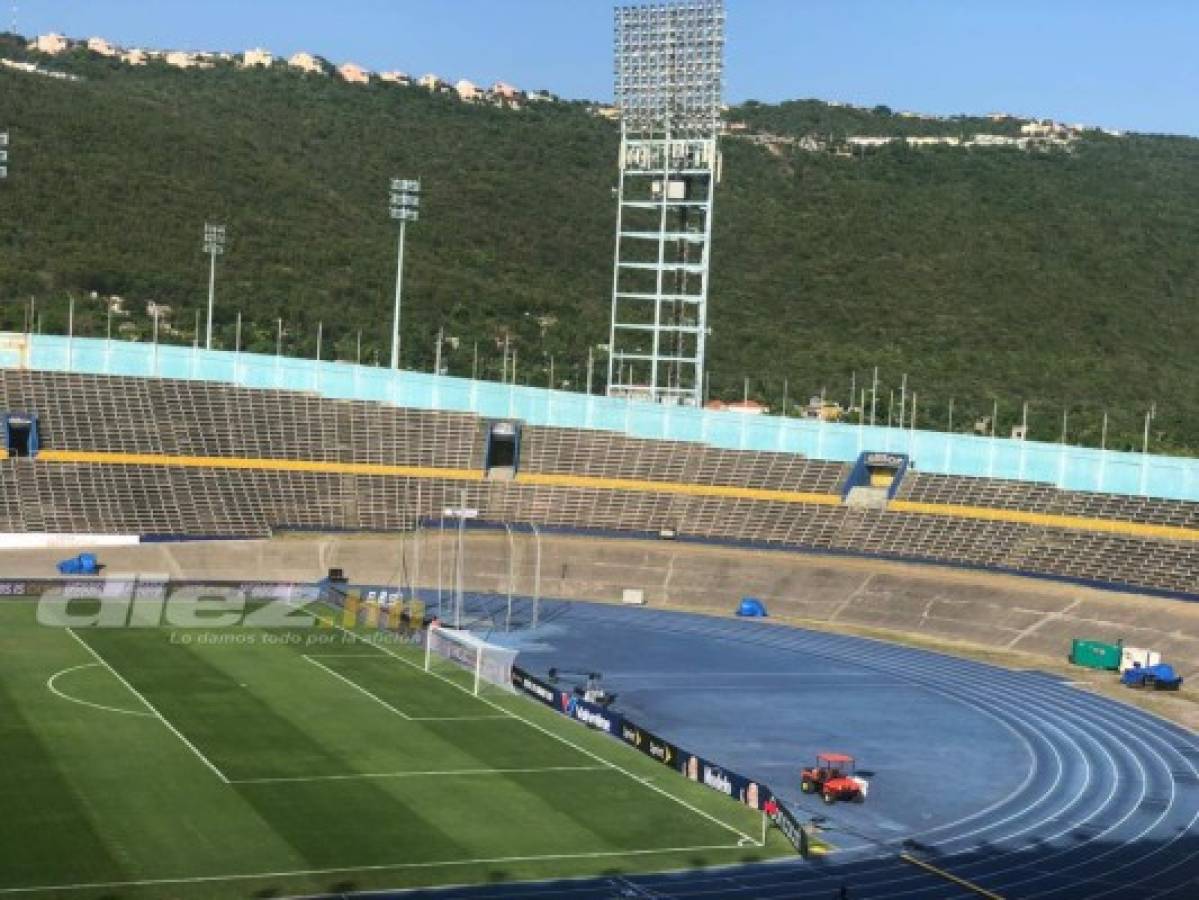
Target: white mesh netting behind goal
point(488, 663)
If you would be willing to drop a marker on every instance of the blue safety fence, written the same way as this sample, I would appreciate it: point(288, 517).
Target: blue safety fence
point(1070, 468)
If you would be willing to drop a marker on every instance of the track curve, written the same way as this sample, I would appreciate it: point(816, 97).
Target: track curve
point(1108, 801)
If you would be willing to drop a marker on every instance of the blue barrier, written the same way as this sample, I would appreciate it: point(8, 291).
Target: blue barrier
point(1070, 468)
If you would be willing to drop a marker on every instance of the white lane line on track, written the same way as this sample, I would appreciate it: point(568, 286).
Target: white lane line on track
point(1018, 691)
point(112, 709)
point(1156, 728)
point(1072, 709)
point(161, 718)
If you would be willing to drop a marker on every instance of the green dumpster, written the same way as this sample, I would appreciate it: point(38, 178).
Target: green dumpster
point(1095, 654)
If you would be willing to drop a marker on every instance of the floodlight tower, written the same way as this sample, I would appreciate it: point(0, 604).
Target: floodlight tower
point(214, 246)
point(405, 208)
point(669, 79)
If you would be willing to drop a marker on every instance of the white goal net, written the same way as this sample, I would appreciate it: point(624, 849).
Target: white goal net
point(487, 663)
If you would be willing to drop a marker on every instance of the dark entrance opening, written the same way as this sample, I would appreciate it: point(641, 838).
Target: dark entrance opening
point(503, 449)
point(20, 434)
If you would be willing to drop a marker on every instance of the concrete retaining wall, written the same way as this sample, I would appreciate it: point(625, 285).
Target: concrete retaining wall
point(992, 611)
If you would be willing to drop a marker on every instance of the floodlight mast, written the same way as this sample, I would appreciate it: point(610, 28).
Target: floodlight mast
point(669, 80)
point(214, 246)
point(405, 208)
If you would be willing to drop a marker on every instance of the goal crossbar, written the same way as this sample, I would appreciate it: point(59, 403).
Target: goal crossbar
point(488, 663)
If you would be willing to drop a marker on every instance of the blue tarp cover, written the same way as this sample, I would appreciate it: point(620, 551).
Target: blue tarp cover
point(751, 606)
point(83, 564)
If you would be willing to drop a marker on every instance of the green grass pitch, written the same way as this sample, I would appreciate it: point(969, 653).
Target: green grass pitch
point(247, 763)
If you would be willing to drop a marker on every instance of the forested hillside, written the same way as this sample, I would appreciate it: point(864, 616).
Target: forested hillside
point(1070, 280)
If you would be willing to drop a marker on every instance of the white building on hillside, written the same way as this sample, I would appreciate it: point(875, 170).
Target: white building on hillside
point(468, 91)
point(306, 62)
point(354, 73)
point(506, 91)
point(395, 76)
point(52, 43)
point(1037, 129)
point(134, 57)
point(102, 47)
point(257, 57)
point(182, 59)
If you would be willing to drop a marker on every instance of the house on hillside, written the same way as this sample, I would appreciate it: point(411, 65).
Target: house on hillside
point(51, 44)
point(431, 82)
point(306, 62)
point(182, 59)
point(1038, 129)
point(468, 91)
point(395, 76)
point(541, 97)
point(503, 92)
point(257, 57)
point(101, 47)
point(352, 73)
point(134, 57)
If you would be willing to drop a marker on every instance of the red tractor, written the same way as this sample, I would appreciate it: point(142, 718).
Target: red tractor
point(833, 776)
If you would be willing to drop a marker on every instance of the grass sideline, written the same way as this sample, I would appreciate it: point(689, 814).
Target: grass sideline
point(250, 763)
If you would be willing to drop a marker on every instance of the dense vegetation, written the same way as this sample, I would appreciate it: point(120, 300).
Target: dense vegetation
point(1068, 280)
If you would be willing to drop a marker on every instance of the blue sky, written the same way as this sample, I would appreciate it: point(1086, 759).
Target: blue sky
point(1129, 64)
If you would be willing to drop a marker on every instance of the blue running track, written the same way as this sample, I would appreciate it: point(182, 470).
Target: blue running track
point(1015, 781)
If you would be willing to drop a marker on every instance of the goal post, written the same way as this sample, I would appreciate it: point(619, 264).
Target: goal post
point(487, 663)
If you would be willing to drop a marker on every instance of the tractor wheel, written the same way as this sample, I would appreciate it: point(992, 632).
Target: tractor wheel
point(829, 798)
point(805, 786)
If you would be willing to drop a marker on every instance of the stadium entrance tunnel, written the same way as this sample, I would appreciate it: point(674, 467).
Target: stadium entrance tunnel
point(882, 472)
point(503, 449)
point(20, 434)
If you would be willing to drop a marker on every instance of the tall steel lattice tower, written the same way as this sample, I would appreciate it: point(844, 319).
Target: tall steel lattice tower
point(669, 79)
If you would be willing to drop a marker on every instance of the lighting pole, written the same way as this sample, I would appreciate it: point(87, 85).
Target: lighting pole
point(214, 246)
point(3, 155)
point(405, 208)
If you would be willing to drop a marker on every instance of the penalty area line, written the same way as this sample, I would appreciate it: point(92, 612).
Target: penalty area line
point(557, 737)
point(161, 718)
point(388, 706)
point(385, 867)
point(449, 773)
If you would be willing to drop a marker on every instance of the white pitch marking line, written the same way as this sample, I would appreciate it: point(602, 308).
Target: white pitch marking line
point(175, 731)
point(440, 864)
point(395, 709)
point(445, 774)
point(556, 737)
point(53, 678)
point(387, 706)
